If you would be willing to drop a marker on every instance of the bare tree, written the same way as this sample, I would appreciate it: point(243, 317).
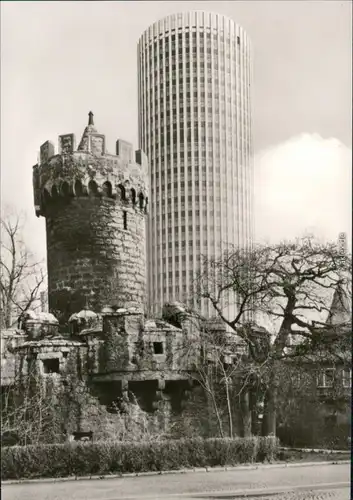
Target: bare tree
point(284, 285)
point(28, 416)
point(22, 277)
point(213, 374)
point(222, 369)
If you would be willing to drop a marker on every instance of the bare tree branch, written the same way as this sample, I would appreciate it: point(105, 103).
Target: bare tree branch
point(22, 278)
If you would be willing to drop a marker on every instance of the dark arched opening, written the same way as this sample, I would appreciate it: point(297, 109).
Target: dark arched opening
point(78, 188)
point(122, 192)
point(65, 189)
point(92, 188)
point(107, 189)
point(54, 193)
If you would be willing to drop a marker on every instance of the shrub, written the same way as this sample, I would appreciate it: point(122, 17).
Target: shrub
point(101, 457)
point(315, 435)
point(267, 448)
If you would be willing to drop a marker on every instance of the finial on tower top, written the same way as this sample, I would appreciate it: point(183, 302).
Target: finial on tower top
point(90, 118)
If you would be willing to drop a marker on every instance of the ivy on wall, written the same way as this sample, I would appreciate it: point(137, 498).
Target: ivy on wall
point(63, 168)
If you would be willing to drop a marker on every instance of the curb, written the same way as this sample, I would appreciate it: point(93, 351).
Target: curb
point(179, 471)
point(315, 450)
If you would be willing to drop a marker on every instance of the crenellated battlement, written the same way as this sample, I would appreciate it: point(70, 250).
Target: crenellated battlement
point(90, 171)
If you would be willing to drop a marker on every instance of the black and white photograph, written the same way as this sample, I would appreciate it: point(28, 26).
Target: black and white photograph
point(176, 249)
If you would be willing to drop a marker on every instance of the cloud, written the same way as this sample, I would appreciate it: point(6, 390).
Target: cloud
point(303, 185)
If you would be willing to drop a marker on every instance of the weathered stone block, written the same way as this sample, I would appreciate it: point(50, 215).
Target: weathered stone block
point(124, 150)
point(47, 150)
point(67, 143)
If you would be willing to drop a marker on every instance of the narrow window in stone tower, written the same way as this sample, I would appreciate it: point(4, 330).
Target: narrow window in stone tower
point(141, 200)
point(133, 196)
point(125, 219)
point(158, 347)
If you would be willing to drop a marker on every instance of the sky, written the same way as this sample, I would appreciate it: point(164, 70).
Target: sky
point(59, 60)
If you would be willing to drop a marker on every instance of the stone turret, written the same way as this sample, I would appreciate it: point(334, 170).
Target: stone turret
point(95, 206)
point(38, 325)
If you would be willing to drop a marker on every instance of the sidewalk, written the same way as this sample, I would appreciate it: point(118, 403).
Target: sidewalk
point(254, 466)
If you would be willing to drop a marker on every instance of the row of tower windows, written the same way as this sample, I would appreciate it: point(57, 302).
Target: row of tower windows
point(167, 211)
point(186, 47)
point(198, 62)
point(181, 246)
point(162, 75)
point(197, 142)
point(208, 130)
point(181, 77)
point(195, 94)
point(183, 213)
point(93, 190)
point(202, 78)
point(212, 149)
point(179, 171)
point(170, 84)
point(201, 92)
point(187, 56)
point(217, 101)
point(232, 66)
point(192, 228)
point(201, 65)
point(195, 63)
point(177, 101)
point(187, 127)
point(186, 112)
point(185, 77)
point(222, 108)
point(204, 33)
point(198, 168)
point(191, 136)
point(212, 94)
point(182, 258)
point(192, 274)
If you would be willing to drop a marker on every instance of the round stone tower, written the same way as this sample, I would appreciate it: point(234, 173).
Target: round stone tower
point(95, 206)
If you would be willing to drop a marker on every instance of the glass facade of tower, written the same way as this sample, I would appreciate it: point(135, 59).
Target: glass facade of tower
point(195, 125)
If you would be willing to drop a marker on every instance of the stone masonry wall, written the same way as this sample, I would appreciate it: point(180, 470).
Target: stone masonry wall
point(90, 251)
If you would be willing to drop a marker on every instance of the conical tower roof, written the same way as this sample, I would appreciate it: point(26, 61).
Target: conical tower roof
point(341, 308)
point(90, 129)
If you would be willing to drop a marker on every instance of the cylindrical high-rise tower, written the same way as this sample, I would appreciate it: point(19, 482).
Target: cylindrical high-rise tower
point(195, 125)
point(95, 207)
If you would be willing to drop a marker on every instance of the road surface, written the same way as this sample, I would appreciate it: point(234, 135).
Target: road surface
point(320, 482)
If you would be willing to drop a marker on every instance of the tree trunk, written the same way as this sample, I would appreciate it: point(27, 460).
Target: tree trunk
point(253, 411)
point(229, 406)
point(213, 403)
point(269, 416)
point(245, 412)
point(7, 315)
point(229, 410)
